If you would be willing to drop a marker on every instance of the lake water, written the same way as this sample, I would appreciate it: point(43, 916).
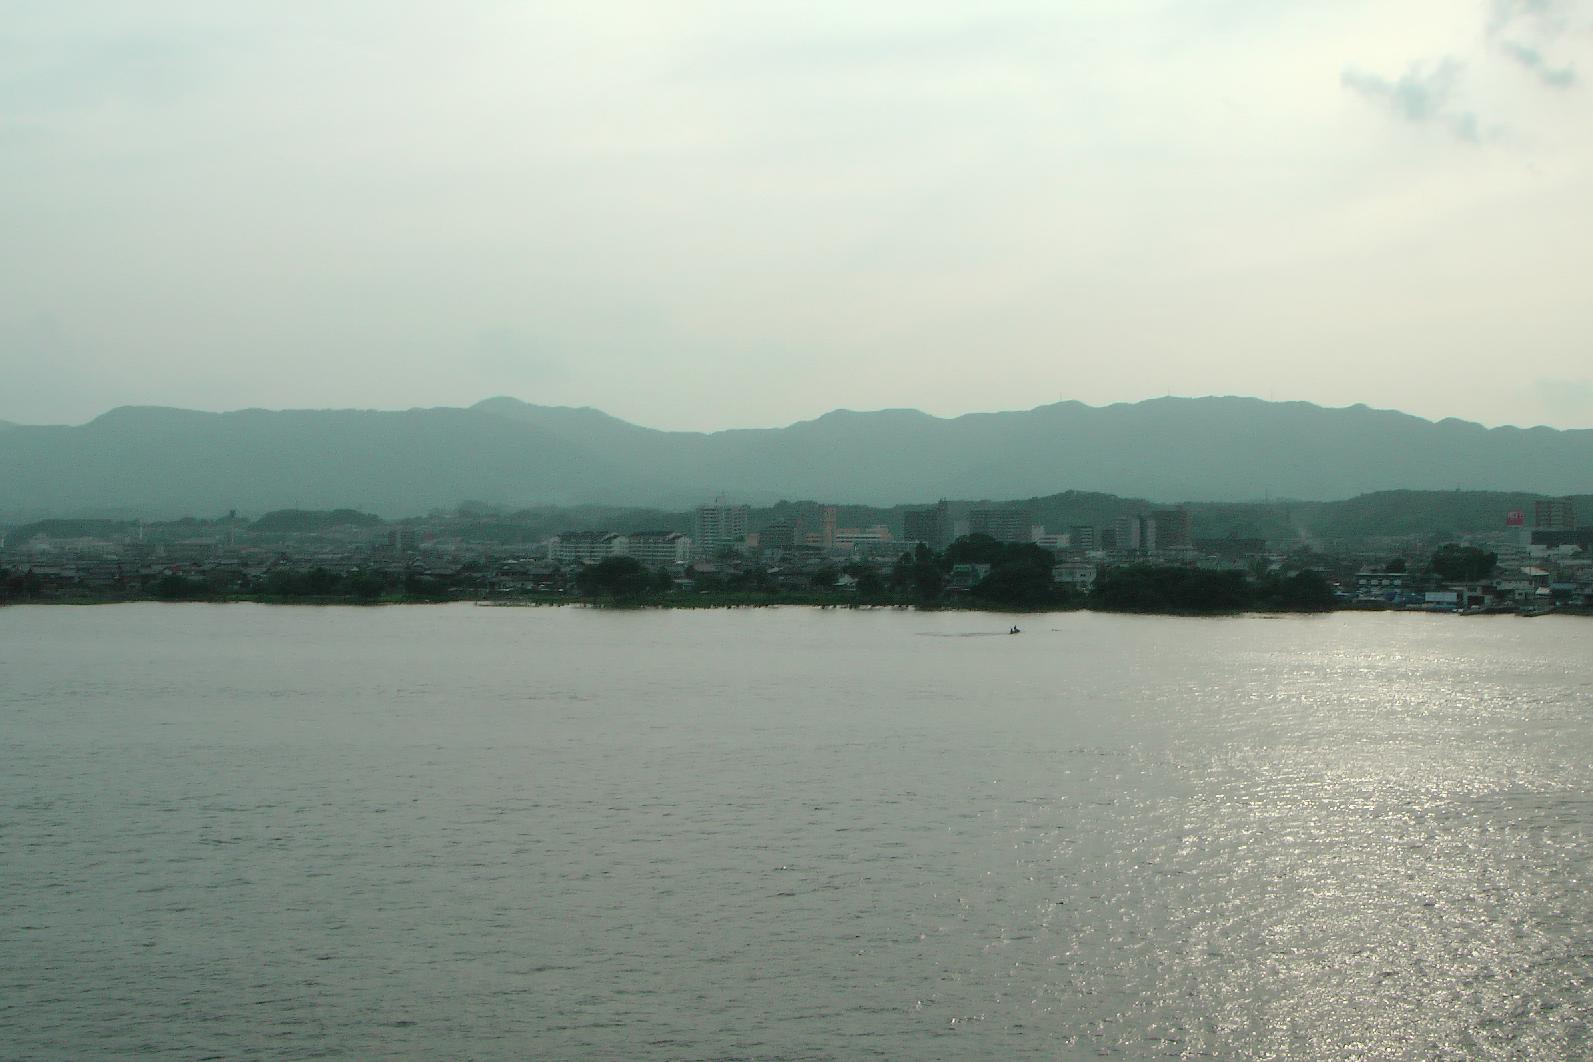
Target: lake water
point(566, 833)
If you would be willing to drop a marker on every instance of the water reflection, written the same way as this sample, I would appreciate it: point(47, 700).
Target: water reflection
point(792, 834)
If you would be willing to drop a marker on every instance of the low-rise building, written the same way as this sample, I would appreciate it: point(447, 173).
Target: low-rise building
point(966, 576)
point(873, 541)
point(656, 549)
point(581, 547)
point(1078, 574)
point(1379, 586)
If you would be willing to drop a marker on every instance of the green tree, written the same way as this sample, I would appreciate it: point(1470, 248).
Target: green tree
point(366, 585)
point(918, 573)
point(1152, 588)
point(321, 582)
point(174, 587)
point(17, 586)
point(621, 578)
point(972, 549)
point(1020, 572)
point(1304, 591)
point(1019, 578)
point(1463, 564)
point(424, 586)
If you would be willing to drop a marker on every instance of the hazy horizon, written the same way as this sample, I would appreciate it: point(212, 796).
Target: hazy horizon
point(755, 426)
point(710, 215)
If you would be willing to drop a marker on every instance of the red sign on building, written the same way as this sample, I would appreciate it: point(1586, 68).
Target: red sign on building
point(1515, 518)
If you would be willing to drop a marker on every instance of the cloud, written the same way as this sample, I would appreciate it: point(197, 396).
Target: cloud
point(1422, 95)
point(1533, 60)
point(1544, 22)
point(1551, 16)
point(1527, 33)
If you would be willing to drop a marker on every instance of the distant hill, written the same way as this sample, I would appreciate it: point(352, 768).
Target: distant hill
point(300, 521)
point(169, 462)
point(71, 529)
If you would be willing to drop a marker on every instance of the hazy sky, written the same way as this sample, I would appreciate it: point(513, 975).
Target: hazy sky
point(710, 214)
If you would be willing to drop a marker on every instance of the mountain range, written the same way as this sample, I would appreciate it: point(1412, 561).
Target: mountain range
point(162, 462)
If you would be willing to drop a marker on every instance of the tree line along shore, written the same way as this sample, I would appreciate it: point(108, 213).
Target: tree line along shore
point(974, 572)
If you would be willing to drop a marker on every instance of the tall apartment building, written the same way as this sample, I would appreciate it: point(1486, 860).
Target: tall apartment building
point(1173, 529)
point(932, 527)
point(1136, 534)
point(1554, 514)
point(779, 535)
point(1083, 536)
point(1003, 525)
point(719, 525)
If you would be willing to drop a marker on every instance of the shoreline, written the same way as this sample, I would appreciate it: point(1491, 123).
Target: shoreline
point(736, 601)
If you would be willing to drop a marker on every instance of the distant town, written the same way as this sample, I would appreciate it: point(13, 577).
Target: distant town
point(985, 555)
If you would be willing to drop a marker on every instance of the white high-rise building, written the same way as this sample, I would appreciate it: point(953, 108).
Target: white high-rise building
point(719, 525)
